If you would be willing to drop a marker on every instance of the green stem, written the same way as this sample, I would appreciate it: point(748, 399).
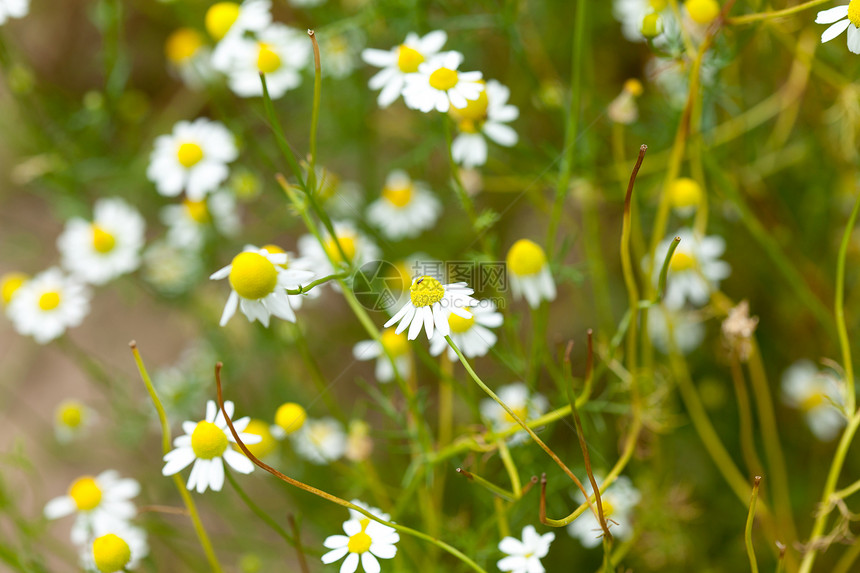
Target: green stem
point(257, 511)
point(749, 18)
point(315, 113)
point(748, 530)
point(306, 288)
point(839, 305)
point(489, 486)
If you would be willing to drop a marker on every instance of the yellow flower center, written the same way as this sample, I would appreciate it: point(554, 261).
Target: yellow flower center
point(608, 508)
point(854, 13)
point(267, 60)
point(103, 242)
point(86, 493)
point(398, 196)
point(459, 324)
point(208, 440)
point(703, 11)
point(658, 5)
point(196, 210)
point(361, 541)
point(522, 412)
point(49, 300)
point(395, 344)
point(633, 87)
point(526, 258)
point(189, 154)
point(347, 243)
point(685, 192)
point(443, 79)
point(220, 18)
point(267, 442)
point(475, 110)
point(290, 417)
point(111, 553)
point(182, 44)
point(426, 291)
point(9, 285)
point(814, 400)
point(408, 59)
point(276, 250)
point(70, 414)
point(682, 262)
point(652, 25)
point(253, 276)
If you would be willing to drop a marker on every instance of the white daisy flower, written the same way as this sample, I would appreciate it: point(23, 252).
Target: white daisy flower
point(524, 556)
point(518, 398)
point(438, 85)
point(289, 419)
point(357, 248)
point(399, 62)
point(397, 346)
point(471, 335)
point(259, 285)
point(206, 444)
point(228, 22)
point(819, 394)
point(483, 118)
point(171, 270)
point(189, 222)
point(300, 264)
point(340, 52)
point(357, 515)
point(695, 269)
point(13, 9)
point(100, 502)
point(365, 540)
point(405, 209)
point(841, 18)
point(193, 158)
point(114, 549)
point(278, 51)
point(429, 306)
point(109, 246)
point(9, 284)
point(618, 502)
point(631, 13)
point(320, 441)
point(72, 418)
point(685, 195)
point(529, 273)
point(267, 443)
point(687, 328)
point(49, 303)
point(623, 108)
point(189, 58)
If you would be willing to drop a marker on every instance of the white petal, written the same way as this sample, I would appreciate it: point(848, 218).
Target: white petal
point(383, 550)
point(854, 39)
point(369, 562)
point(334, 555)
point(238, 461)
point(832, 15)
point(350, 564)
point(502, 134)
point(428, 321)
point(216, 474)
point(834, 30)
point(177, 460)
point(60, 507)
point(336, 541)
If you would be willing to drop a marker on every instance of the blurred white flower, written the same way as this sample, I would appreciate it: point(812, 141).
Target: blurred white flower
point(279, 52)
point(49, 303)
point(397, 346)
point(109, 246)
point(114, 549)
point(405, 209)
point(357, 248)
point(320, 441)
point(206, 444)
point(819, 394)
point(483, 118)
point(193, 158)
point(695, 269)
point(189, 222)
point(171, 270)
point(228, 22)
point(429, 306)
point(9, 284)
point(399, 62)
point(289, 419)
point(340, 52)
point(13, 9)
point(529, 273)
point(631, 13)
point(518, 398)
point(189, 57)
point(438, 85)
point(72, 418)
point(471, 335)
point(365, 540)
point(687, 328)
point(623, 108)
point(524, 556)
point(618, 501)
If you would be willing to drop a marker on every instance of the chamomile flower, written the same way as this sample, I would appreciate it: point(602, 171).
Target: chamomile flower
point(207, 444)
point(695, 269)
point(842, 18)
point(623, 108)
point(359, 445)
point(438, 85)
point(397, 346)
point(702, 11)
point(278, 51)
point(9, 285)
point(471, 335)
point(13, 9)
point(340, 52)
point(189, 58)
point(228, 22)
point(405, 209)
point(429, 306)
point(193, 158)
point(632, 13)
point(529, 274)
point(289, 419)
point(365, 540)
point(72, 418)
point(618, 501)
point(49, 303)
point(189, 222)
point(100, 502)
point(818, 394)
point(518, 398)
point(296, 263)
point(357, 248)
point(259, 285)
point(115, 549)
point(685, 195)
point(483, 118)
point(100, 250)
point(524, 556)
point(400, 61)
point(320, 441)
point(169, 269)
point(687, 329)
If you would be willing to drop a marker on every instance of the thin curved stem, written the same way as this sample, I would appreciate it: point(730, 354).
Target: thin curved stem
point(748, 529)
point(759, 16)
point(839, 308)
